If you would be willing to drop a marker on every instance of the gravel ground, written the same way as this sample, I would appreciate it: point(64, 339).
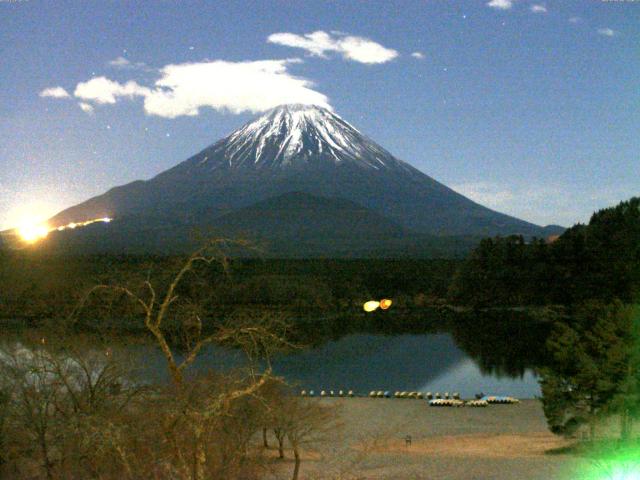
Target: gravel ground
point(499, 442)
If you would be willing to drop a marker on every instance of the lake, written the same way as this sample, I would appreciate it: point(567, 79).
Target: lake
point(493, 354)
point(365, 362)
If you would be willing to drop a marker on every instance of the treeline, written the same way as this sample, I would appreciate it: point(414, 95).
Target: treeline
point(36, 287)
point(599, 261)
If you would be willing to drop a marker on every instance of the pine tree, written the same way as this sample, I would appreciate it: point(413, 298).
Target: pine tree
point(589, 367)
point(627, 401)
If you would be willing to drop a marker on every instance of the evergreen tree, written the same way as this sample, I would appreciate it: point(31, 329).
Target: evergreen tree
point(627, 401)
point(589, 366)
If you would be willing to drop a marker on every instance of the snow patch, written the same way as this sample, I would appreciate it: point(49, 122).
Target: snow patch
point(298, 135)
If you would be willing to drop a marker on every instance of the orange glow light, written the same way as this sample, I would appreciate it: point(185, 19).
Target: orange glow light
point(385, 303)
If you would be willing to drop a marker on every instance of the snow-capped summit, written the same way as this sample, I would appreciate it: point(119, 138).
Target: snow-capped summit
point(304, 150)
point(296, 135)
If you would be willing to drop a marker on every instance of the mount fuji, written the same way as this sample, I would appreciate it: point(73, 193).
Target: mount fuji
point(299, 173)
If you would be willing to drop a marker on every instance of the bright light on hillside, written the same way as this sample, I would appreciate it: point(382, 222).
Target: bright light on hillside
point(31, 231)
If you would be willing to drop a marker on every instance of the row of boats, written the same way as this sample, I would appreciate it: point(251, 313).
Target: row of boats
point(435, 400)
point(328, 393)
point(478, 402)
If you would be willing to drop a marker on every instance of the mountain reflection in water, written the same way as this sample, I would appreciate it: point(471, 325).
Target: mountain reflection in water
point(466, 353)
point(470, 353)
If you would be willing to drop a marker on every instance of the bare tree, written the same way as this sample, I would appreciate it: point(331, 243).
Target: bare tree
point(33, 397)
point(193, 421)
point(301, 421)
point(156, 309)
point(54, 397)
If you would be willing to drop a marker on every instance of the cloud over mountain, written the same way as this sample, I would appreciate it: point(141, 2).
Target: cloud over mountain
point(183, 89)
point(232, 86)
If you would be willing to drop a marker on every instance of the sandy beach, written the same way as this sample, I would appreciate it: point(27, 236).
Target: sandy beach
point(499, 442)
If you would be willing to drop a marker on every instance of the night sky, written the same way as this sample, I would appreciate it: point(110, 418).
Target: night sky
point(528, 107)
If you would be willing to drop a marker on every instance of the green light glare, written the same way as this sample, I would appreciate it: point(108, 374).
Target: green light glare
point(619, 463)
point(626, 476)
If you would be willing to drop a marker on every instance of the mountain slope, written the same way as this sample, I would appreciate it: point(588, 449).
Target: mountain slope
point(297, 148)
point(292, 225)
point(299, 216)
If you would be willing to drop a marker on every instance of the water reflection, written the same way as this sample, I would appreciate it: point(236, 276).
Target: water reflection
point(363, 362)
point(466, 353)
point(504, 344)
point(493, 352)
point(468, 379)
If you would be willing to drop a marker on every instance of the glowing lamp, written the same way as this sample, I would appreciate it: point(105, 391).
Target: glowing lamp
point(371, 305)
point(385, 303)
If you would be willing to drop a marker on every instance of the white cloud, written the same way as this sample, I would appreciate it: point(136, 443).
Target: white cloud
point(54, 92)
point(228, 86)
point(538, 9)
point(85, 107)
point(500, 4)
point(123, 63)
point(358, 49)
point(607, 32)
point(365, 51)
point(418, 55)
point(120, 62)
point(575, 19)
point(183, 89)
point(101, 90)
point(316, 43)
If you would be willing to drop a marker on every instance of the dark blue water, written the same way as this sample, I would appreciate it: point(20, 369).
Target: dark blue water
point(365, 362)
point(427, 362)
